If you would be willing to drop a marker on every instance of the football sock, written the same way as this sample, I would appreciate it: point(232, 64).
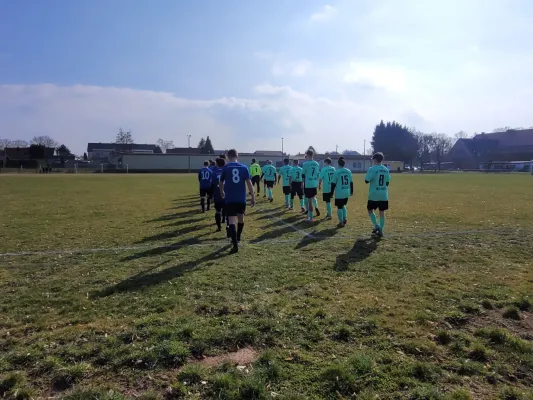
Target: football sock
point(208, 203)
point(269, 193)
point(240, 227)
point(382, 222)
point(328, 209)
point(345, 212)
point(302, 203)
point(292, 203)
point(340, 214)
point(315, 202)
point(287, 199)
point(373, 219)
point(217, 220)
point(202, 202)
point(233, 235)
point(310, 214)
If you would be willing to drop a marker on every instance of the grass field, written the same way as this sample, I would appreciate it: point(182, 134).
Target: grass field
point(116, 286)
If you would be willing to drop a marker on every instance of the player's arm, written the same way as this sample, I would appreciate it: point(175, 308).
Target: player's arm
point(388, 179)
point(221, 185)
point(199, 176)
point(250, 186)
point(368, 176)
point(333, 182)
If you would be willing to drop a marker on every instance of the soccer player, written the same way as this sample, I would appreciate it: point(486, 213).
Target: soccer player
point(324, 184)
point(296, 177)
point(269, 177)
point(234, 180)
point(378, 178)
point(220, 213)
point(205, 179)
point(285, 173)
point(255, 172)
point(311, 171)
point(342, 186)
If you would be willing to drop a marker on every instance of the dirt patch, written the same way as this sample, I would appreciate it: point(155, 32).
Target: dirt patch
point(522, 329)
point(243, 356)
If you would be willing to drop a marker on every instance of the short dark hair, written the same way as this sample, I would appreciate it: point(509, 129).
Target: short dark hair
point(253, 160)
point(206, 163)
point(232, 153)
point(223, 156)
point(295, 162)
point(341, 161)
point(327, 160)
point(378, 157)
point(286, 160)
point(220, 162)
point(310, 153)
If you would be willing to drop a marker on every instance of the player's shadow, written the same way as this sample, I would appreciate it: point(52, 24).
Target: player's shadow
point(171, 234)
point(361, 250)
point(295, 221)
point(317, 236)
point(184, 222)
point(170, 217)
point(143, 280)
point(273, 234)
point(271, 214)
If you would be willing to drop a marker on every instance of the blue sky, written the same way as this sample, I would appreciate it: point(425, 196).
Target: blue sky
point(248, 73)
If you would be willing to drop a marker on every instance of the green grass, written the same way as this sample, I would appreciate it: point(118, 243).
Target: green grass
point(126, 286)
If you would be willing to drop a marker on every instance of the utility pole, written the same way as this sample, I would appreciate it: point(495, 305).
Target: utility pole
point(281, 149)
point(364, 148)
point(189, 140)
point(336, 149)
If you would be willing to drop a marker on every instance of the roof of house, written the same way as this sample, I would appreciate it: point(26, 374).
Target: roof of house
point(510, 138)
point(118, 147)
point(184, 150)
point(23, 153)
point(268, 153)
point(335, 156)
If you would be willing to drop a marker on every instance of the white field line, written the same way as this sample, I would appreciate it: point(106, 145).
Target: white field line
point(223, 242)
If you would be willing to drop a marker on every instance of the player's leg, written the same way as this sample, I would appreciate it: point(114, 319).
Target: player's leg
point(302, 200)
point(340, 214)
point(203, 195)
point(292, 195)
point(315, 205)
point(232, 218)
point(345, 212)
point(240, 226)
point(383, 206)
point(371, 206)
point(309, 205)
point(264, 189)
point(270, 185)
point(327, 198)
point(218, 216)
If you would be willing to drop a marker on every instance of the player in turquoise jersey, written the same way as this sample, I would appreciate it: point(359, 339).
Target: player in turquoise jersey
point(342, 186)
point(311, 171)
point(378, 177)
point(269, 176)
point(324, 184)
point(285, 173)
point(295, 179)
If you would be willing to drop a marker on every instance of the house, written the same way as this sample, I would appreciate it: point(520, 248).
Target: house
point(511, 145)
point(2, 157)
point(109, 152)
point(185, 150)
point(269, 153)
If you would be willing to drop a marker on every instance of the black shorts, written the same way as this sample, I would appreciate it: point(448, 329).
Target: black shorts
point(286, 190)
point(234, 209)
point(296, 189)
point(205, 192)
point(326, 197)
point(381, 205)
point(256, 179)
point(310, 192)
point(340, 203)
point(219, 205)
point(270, 184)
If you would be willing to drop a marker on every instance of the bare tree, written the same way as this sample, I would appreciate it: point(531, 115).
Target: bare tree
point(369, 151)
point(443, 144)
point(45, 141)
point(461, 135)
point(124, 137)
point(5, 143)
point(504, 129)
point(165, 144)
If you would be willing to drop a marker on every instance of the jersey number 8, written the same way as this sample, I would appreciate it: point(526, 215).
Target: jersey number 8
point(235, 175)
point(381, 179)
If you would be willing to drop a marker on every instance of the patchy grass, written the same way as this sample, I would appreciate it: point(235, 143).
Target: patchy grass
point(127, 291)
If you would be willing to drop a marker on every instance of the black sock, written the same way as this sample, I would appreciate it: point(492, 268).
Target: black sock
point(208, 203)
point(202, 202)
point(223, 215)
point(217, 220)
point(233, 235)
point(240, 227)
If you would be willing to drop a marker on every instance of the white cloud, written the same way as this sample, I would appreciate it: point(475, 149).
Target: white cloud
point(327, 13)
point(297, 68)
point(373, 74)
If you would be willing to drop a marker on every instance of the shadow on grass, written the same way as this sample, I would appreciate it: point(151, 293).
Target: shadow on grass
point(143, 280)
point(169, 234)
point(361, 250)
point(157, 251)
point(173, 216)
point(192, 220)
point(273, 234)
point(317, 236)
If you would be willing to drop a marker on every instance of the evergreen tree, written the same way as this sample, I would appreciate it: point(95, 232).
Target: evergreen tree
point(208, 147)
point(85, 158)
point(201, 144)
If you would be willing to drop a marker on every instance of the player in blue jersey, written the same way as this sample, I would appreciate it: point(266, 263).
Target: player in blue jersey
point(205, 178)
point(220, 213)
point(269, 177)
point(234, 181)
point(311, 171)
